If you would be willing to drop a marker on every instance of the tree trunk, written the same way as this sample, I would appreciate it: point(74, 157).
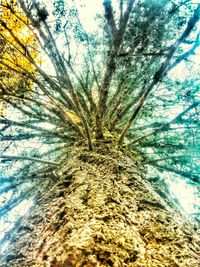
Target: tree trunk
point(102, 212)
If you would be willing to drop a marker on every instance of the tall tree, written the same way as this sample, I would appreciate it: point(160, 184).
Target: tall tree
point(92, 132)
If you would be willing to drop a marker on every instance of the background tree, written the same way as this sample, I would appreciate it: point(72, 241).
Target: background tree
point(92, 131)
point(13, 65)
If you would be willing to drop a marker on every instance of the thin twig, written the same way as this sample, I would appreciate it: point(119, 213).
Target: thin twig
point(9, 157)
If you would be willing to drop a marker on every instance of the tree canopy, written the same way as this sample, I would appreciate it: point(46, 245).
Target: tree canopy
point(132, 82)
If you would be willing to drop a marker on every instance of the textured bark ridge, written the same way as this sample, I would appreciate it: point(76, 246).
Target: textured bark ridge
point(102, 212)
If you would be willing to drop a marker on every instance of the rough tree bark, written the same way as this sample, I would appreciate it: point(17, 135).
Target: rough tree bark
point(103, 212)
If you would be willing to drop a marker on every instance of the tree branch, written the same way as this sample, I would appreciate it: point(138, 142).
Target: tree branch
point(9, 157)
point(148, 161)
point(186, 54)
point(110, 17)
point(162, 71)
point(194, 178)
point(110, 70)
point(166, 126)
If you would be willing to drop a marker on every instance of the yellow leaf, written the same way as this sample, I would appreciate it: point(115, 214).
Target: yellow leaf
point(15, 68)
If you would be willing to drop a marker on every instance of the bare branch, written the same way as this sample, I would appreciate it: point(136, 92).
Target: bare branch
point(24, 124)
point(149, 161)
point(110, 17)
point(9, 157)
point(193, 177)
point(185, 56)
point(161, 71)
point(166, 126)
